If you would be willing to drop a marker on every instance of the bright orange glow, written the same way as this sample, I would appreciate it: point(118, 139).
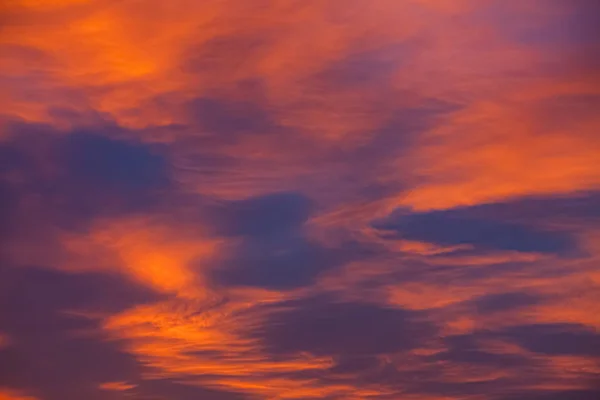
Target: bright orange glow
point(117, 386)
point(13, 395)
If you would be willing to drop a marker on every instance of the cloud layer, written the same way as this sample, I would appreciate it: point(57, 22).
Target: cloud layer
point(276, 199)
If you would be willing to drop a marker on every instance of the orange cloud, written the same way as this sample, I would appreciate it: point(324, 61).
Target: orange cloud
point(117, 386)
point(6, 394)
point(515, 158)
point(148, 253)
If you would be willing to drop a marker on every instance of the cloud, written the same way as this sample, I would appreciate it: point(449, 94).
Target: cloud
point(164, 388)
point(81, 174)
point(273, 249)
point(341, 199)
point(117, 386)
point(554, 395)
point(446, 228)
point(226, 120)
point(263, 216)
point(556, 339)
point(504, 301)
point(282, 263)
point(324, 327)
point(56, 351)
point(112, 163)
point(538, 210)
point(6, 394)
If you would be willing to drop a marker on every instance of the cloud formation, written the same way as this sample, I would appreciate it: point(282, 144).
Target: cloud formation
point(274, 199)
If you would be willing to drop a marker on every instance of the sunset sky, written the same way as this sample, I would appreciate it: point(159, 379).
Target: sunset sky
point(300, 199)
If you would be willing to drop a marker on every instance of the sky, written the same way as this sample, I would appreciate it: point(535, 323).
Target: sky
point(287, 199)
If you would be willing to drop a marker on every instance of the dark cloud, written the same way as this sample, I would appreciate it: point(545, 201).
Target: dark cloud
point(353, 365)
point(70, 178)
point(159, 389)
point(540, 224)
point(324, 327)
point(465, 349)
point(504, 301)
point(263, 216)
point(284, 262)
point(54, 352)
point(576, 207)
point(554, 395)
point(97, 160)
point(555, 339)
point(573, 27)
point(394, 138)
point(274, 251)
point(59, 290)
point(228, 119)
point(367, 68)
point(483, 230)
point(469, 350)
